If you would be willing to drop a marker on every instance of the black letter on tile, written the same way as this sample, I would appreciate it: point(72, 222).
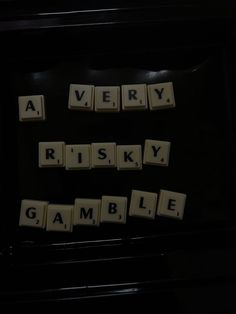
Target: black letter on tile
point(171, 203)
point(84, 214)
point(132, 94)
point(79, 158)
point(50, 153)
point(112, 209)
point(30, 106)
point(155, 150)
point(78, 96)
point(101, 152)
point(127, 157)
point(106, 96)
point(31, 212)
point(141, 205)
point(58, 218)
point(159, 92)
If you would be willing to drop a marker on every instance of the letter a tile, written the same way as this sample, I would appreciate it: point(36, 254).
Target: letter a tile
point(31, 108)
point(59, 218)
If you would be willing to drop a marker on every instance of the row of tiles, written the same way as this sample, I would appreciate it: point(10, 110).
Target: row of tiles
point(108, 209)
point(103, 99)
point(103, 155)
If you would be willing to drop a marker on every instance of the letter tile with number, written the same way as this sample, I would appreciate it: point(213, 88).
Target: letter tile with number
point(134, 97)
point(114, 209)
point(171, 204)
point(59, 218)
point(51, 154)
point(81, 97)
point(103, 155)
point(78, 157)
point(143, 204)
point(31, 108)
point(129, 157)
point(33, 213)
point(107, 98)
point(161, 96)
point(156, 153)
point(87, 212)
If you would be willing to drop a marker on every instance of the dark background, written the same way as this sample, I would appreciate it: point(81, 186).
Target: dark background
point(190, 263)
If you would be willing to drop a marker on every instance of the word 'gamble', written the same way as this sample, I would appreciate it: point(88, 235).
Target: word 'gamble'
point(108, 209)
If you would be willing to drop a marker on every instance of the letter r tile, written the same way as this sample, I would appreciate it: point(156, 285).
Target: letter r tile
point(51, 154)
point(161, 96)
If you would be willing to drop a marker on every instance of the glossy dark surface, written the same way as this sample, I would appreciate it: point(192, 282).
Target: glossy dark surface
point(192, 262)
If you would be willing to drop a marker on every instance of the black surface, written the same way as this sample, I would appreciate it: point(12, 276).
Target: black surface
point(169, 259)
point(198, 129)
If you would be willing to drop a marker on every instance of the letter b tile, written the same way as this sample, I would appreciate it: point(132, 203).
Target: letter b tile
point(113, 209)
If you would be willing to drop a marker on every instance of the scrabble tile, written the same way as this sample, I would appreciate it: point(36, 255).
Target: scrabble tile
point(171, 204)
point(59, 218)
point(143, 204)
point(33, 213)
point(31, 108)
point(161, 96)
point(78, 157)
point(129, 157)
point(51, 154)
point(134, 97)
point(87, 212)
point(107, 98)
point(81, 97)
point(103, 155)
point(114, 209)
point(156, 153)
